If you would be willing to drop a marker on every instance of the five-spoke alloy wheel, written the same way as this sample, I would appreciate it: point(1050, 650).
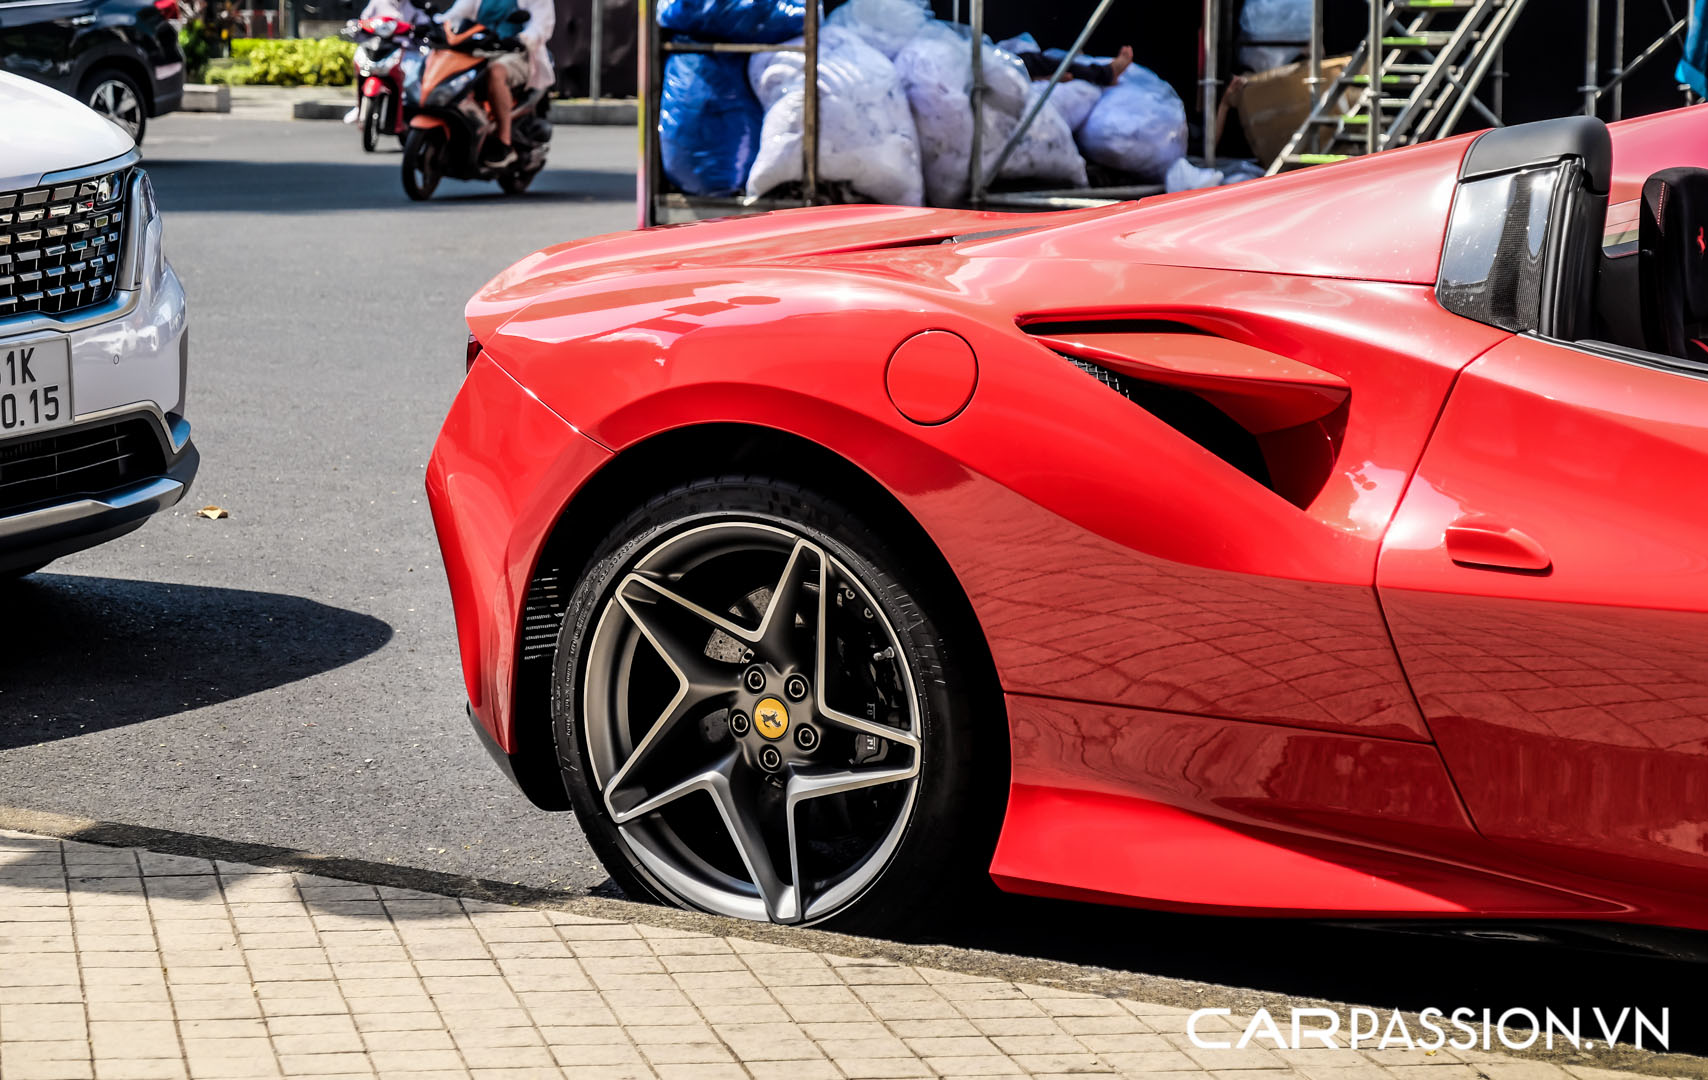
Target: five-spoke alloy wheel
point(753, 716)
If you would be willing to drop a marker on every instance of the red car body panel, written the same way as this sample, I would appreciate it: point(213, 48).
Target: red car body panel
point(1200, 814)
point(1645, 145)
point(1141, 559)
point(1278, 226)
point(497, 452)
point(1207, 707)
point(1572, 706)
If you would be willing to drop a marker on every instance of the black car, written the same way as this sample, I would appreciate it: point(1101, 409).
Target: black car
point(119, 56)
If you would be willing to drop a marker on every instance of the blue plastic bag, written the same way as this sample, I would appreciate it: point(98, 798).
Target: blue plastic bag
point(763, 21)
point(1139, 125)
point(708, 123)
point(1274, 20)
point(1691, 69)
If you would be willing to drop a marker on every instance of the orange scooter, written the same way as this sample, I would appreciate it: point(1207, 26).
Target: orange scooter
point(448, 132)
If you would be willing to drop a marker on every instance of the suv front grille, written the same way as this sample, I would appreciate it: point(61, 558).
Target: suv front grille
point(60, 245)
point(77, 462)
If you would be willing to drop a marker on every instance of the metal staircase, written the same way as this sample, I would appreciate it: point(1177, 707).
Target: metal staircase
point(1431, 55)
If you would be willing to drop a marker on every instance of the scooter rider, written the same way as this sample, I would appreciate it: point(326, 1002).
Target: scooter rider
point(405, 12)
point(510, 72)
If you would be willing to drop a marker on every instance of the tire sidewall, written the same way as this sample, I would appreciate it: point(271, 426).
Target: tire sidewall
point(415, 147)
point(933, 850)
point(517, 182)
point(369, 119)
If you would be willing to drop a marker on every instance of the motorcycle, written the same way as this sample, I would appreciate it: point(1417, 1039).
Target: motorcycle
point(389, 60)
point(454, 121)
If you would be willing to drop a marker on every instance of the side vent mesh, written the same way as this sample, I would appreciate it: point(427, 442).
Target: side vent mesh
point(1189, 414)
point(542, 617)
point(1103, 375)
point(1278, 421)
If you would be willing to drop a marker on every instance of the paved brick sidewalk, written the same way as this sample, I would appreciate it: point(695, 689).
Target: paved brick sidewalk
point(126, 964)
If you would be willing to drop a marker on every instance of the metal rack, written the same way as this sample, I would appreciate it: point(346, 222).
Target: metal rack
point(978, 184)
point(1415, 79)
point(1415, 73)
point(660, 206)
point(1430, 59)
point(1615, 85)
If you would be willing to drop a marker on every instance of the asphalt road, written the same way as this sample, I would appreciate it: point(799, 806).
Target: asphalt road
point(288, 675)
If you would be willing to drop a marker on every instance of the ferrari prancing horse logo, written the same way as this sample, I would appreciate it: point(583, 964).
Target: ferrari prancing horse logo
point(771, 718)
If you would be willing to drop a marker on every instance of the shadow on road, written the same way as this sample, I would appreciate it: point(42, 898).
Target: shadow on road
point(1559, 967)
point(190, 185)
point(84, 654)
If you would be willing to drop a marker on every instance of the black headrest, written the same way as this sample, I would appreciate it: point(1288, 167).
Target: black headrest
point(1672, 239)
point(1541, 142)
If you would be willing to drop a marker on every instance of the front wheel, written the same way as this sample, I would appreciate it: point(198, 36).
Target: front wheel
point(760, 712)
point(423, 162)
point(368, 119)
point(515, 183)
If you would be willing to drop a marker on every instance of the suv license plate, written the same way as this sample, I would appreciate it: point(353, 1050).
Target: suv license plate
point(35, 385)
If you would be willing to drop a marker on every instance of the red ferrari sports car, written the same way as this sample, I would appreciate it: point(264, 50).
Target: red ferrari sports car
point(1334, 544)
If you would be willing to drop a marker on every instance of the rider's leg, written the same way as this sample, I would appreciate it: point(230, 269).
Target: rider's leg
point(503, 102)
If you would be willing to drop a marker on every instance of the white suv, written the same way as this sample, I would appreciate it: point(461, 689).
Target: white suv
point(93, 349)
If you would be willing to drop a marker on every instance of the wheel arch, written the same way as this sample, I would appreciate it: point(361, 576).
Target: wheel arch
point(656, 463)
point(130, 66)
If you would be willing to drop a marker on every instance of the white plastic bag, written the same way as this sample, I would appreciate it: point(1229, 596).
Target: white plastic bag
point(885, 25)
point(1273, 20)
point(1047, 150)
point(866, 135)
point(1139, 125)
point(936, 71)
point(1185, 176)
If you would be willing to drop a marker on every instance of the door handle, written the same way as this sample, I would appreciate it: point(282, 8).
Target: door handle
point(1486, 545)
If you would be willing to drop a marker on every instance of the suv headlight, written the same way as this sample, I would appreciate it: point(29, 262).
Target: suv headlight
point(145, 218)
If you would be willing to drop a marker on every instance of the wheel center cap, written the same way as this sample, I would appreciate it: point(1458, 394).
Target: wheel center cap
point(771, 718)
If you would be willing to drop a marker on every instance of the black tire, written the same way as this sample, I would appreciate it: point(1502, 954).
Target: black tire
point(943, 854)
point(116, 95)
point(515, 183)
point(423, 157)
point(368, 118)
point(19, 573)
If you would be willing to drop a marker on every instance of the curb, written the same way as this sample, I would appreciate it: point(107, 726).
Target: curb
point(321, 110)
point(564, 111)
point(1178, 993)
point(586, 111)
point(201, 97)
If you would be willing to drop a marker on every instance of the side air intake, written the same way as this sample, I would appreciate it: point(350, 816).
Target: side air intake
point(1278, 421)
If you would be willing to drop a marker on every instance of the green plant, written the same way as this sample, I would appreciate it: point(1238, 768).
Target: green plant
point(288, 62)
point(227, 74)
point(197, 51)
